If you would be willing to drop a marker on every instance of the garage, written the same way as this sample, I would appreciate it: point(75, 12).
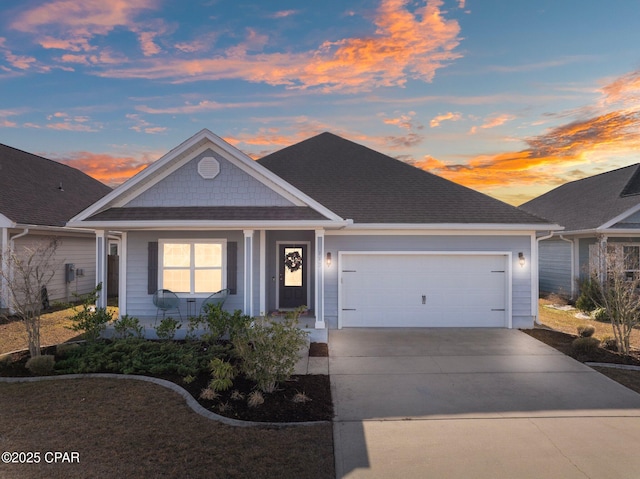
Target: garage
point(418, 289)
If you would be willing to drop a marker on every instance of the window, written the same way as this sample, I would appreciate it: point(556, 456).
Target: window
point(631, 261)
point(192, 266)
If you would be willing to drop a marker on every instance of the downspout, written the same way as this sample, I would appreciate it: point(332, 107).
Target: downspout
point(536, 286)
point(573, 264)
point(25, 232)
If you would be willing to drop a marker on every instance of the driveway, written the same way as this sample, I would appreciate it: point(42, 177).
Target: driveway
point(481, 403)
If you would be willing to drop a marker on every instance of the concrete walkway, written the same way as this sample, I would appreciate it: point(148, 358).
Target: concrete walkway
point(475, 403)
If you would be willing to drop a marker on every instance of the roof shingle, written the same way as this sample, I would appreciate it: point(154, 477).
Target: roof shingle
point(361, 184)
point(30, 189)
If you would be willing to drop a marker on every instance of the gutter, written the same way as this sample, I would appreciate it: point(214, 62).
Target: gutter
point(536, 286)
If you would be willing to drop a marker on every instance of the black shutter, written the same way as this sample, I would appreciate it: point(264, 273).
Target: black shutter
point(152, 268)
point(232, 267)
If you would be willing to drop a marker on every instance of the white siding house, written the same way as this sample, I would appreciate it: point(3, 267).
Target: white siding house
point(358, 237)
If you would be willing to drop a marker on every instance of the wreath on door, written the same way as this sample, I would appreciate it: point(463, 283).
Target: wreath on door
point(293, 261)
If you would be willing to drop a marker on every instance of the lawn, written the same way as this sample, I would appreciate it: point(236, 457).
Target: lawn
point(136, 429)
point(566, 322)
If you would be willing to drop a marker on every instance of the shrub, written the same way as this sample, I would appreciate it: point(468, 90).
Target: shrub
point(167, 328)
point(128, 326)
point(63, 349)
point(223, 373)
point(590, 295)
point(300, 397)
point(609, 342)
point(269, 350)
point(601, 315)
point(586, 330)
point(255, 399)
point(220, 323)
point(41, 365)
point(585, 345)
point(208, 394)
point(93, 321)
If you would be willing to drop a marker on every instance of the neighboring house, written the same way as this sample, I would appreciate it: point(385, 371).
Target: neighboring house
point(37, 198)
point(360, 238)
point(601, 211)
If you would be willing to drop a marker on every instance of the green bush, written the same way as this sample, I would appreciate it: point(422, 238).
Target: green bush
point(590, 295)
point(139, 356)
point(223, 373)
point(609, 342)
point(585, 345)
point(41, 365)
point(167, 328)
point(128, 326)
point(64, 349)
point(268, 350)
point(586, 330)
point(601, 315)
point(93, 321)
point(219, 323)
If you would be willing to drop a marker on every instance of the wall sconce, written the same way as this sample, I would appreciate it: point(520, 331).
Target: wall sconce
point(328, 258)
point(521, 258)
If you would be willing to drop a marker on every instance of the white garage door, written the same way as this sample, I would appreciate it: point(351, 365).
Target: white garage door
point(423, 290)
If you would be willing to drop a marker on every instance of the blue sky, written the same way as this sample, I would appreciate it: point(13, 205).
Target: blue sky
point(508, 97)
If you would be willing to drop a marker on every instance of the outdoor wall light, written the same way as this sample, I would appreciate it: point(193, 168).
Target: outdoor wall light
point(328, 258)
point(521, 258)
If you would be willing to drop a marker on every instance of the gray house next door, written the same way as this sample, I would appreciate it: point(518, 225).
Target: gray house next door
point(292, 286)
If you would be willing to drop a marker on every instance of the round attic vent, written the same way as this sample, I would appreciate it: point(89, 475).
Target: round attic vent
point(208, 168)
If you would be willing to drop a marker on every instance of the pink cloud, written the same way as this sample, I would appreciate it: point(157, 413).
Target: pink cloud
point(449, 116)
point(405, 45)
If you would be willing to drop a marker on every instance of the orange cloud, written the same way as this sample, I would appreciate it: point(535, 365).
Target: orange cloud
point(624, 89)
point(406, 44)
point(493, 122)
point(549, 158)
point(110, 170)
point(449, 116)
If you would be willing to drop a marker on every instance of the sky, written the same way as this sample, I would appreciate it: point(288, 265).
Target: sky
point(509, 97)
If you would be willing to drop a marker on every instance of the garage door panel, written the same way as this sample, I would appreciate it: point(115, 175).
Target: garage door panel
point(397, 290)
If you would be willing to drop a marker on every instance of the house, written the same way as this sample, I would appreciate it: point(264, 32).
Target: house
point(358, 237)
point(600, 211)
point(37, 197)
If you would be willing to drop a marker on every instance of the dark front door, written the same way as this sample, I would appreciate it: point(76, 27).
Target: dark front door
point(293, 276)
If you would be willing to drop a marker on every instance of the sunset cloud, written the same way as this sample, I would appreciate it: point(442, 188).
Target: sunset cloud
point(492, 122)
point(110, 170)
point(449, 116)
point(405, 45)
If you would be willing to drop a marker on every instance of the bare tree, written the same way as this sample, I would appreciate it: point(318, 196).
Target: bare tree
point(618, 290)
point(27, 272)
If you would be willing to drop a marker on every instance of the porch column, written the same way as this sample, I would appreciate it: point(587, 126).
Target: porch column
point(602, 258)
point(248, 272)
point(263, 272)
point(4, 248)
point(319, 277)
point(102, 241)
point(122, 276)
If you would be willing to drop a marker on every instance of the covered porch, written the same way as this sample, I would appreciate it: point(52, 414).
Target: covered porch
point(268, 271)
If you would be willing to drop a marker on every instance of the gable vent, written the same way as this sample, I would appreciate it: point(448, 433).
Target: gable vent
point(208, 168)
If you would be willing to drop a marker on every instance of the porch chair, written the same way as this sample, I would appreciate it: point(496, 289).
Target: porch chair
point(166, 300)
point(216, 299)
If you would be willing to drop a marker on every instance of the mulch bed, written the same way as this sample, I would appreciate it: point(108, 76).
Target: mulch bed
point(562, 342)
point(279, 406)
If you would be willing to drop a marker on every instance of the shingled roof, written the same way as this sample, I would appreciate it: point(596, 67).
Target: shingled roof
point(590, 202)
point(361, 184)
point(30, 190)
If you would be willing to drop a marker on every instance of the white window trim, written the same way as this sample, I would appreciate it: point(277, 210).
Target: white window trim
point(192, 241)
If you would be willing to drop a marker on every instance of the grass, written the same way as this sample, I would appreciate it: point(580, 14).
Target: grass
point(566, 322)
point(135, 429)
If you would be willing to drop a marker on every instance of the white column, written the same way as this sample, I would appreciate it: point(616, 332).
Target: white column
point(263, 272)
point(122, 276)
point(319, 279)
point(102, 242)
point(248, 272)
point(603, 257)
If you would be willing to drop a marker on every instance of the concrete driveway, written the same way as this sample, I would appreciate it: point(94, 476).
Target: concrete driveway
point(480, 403)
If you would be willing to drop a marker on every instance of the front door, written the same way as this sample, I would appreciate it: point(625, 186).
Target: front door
point(293, 276)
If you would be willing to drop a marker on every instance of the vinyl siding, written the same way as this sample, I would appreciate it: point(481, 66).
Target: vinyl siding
point(555, 267)
point(521, 277)
point(80, 251)
point(232, 187)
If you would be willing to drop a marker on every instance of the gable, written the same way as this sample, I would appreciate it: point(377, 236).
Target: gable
point(229, 186)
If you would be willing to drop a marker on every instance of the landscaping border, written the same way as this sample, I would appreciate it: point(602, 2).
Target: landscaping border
point(191, 401)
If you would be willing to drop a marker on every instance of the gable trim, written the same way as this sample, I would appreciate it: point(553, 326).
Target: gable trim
point(620, 217)
point(183, 153)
